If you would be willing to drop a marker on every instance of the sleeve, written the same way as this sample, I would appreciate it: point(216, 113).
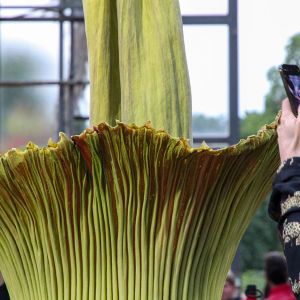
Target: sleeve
point(3, 292)
point(286, 190)
point(284, 208)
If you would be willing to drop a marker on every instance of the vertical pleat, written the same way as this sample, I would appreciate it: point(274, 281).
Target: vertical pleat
point(138, 67)
point(127, 213)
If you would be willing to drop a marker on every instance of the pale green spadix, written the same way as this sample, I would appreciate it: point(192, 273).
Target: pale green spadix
point(128, 212)
point(137, 64)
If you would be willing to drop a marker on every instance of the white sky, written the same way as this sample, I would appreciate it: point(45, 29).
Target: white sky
point(264, 29)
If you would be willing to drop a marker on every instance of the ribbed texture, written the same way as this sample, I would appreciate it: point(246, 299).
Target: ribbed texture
point(127, 213)
point(137, 63)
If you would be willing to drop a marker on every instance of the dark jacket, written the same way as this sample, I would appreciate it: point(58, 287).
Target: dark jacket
point(3, 293)
point(284, 208)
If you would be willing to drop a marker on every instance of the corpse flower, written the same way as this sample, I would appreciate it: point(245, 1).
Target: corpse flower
point(130, 212)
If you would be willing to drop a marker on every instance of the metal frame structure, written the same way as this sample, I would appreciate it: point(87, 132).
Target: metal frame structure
point(64, 13)
point(61, 14)
point(231, 21)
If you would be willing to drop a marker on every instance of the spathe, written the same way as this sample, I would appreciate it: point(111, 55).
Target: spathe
point(128, 212)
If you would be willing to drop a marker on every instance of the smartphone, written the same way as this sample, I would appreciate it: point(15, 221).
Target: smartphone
point(290, 75)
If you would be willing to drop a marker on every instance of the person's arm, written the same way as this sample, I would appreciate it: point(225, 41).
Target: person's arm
point(284, 207)
point(284, 204)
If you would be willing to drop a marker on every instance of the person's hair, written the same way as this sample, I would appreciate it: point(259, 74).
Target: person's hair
point(276, 268)
point(230, 278)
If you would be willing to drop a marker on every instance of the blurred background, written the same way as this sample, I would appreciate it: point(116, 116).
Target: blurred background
point(233, 50)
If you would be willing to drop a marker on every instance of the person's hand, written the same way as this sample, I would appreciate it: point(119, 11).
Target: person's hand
point(288, 132)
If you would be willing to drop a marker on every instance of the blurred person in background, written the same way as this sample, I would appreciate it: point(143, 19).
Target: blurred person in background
point(277, 277)
point(230, 291)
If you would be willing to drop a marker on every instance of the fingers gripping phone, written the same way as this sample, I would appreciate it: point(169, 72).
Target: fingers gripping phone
point(290, 75)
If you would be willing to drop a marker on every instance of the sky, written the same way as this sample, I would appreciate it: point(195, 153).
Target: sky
point(265, 27)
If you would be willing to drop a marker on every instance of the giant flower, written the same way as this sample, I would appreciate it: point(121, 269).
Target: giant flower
point(130, 212)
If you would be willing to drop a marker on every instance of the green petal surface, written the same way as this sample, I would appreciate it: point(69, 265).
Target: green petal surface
point(137, 64)
point(128, 212)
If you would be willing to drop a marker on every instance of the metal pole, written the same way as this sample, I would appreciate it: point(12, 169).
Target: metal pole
point(71, 99)
point(19, 83)
point(206, 20)
point(61, 104)
point(231, 20)
point(1, 93)
point(44, 19)
point(39, 7)
point(233, 72)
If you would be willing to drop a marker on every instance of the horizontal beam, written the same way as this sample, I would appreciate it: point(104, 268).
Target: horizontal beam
point(213, 140)
point(186, 20)
point(40, 83)
point(206, 20)
point(45, 7)
point(43, 19)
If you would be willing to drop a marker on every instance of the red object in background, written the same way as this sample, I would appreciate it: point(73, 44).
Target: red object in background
point(281, 292)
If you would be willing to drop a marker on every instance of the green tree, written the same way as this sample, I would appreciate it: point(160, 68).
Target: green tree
point(261, 236)
point(204, 125)
point(253, 121)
